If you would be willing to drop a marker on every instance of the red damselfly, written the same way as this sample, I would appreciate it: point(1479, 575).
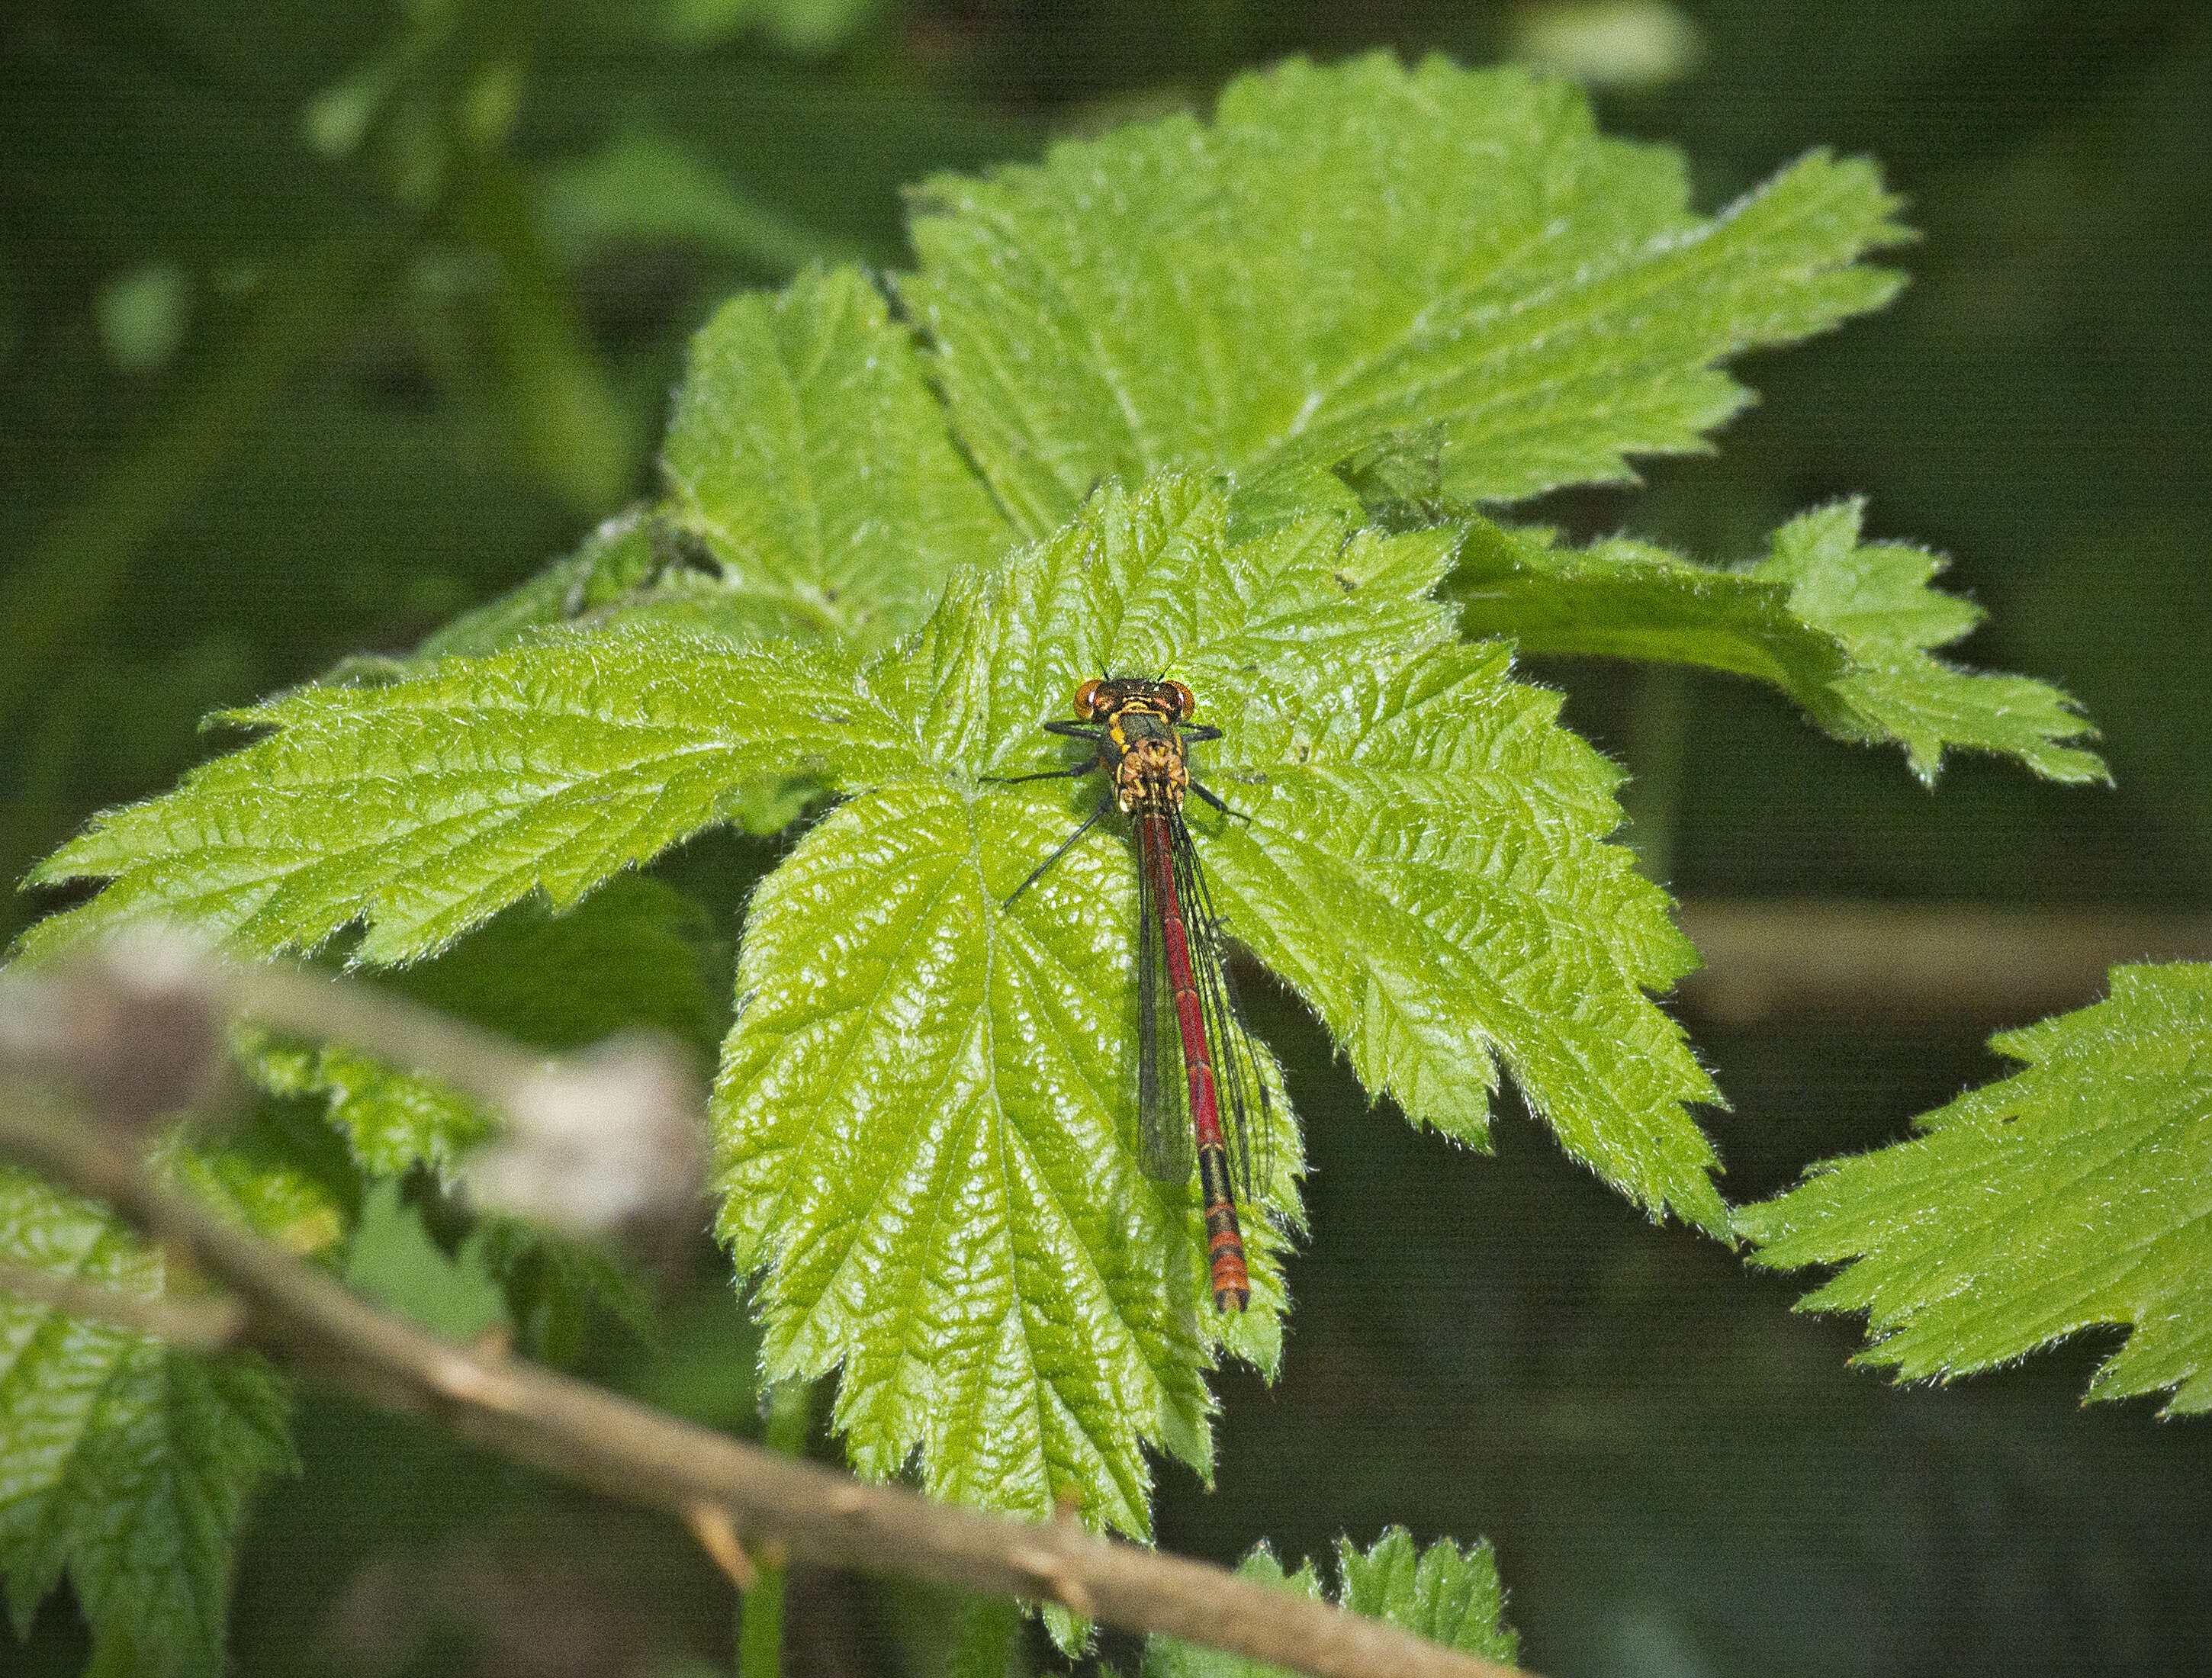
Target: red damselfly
point(1142, 731)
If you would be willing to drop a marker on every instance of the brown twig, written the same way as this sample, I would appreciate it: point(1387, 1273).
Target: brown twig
point(198, 1325)
point(627, 1451)
point(1974, 965)
point(717, 1533)
point(766, 1500)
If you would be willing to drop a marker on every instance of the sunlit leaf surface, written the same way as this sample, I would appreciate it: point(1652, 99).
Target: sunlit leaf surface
point(925, 1107)
point(1847, 628)
point(1444, 1594)
point(1362, 252)
point(2076, 1193)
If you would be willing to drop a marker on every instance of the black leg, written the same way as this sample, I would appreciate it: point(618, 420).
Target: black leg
point(1042, 774)
point(1089, 822)
point(1210, 798)
point(1199, 730)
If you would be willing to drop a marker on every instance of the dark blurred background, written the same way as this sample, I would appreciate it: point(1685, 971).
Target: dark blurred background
point(318, 323)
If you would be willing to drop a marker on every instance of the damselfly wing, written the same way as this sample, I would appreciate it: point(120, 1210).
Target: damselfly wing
point(1219, 1108)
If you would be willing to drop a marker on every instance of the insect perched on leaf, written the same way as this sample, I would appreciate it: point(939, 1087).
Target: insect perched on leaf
point(1142, 733)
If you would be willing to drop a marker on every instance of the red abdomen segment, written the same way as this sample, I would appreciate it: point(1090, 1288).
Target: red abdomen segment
point(1224, 1238)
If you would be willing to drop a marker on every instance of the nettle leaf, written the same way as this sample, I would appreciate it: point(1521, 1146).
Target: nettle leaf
point(1843, 628)
point(925, 1106)
point(2074, 1193)
point(1362, 252)
point(634, 955)
point(424, 808)
point(123, 1464)
point(815, 490)
point(809, 455)
point(617, 563)
point(924, 1111)
point(1444, 1594)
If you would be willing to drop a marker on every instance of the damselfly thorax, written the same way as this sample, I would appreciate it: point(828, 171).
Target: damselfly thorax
point(1143, 735)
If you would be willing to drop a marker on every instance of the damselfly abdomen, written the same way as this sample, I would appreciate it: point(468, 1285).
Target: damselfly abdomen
point(1143, 733)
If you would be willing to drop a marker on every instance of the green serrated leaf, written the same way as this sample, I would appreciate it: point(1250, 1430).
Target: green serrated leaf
point(392, 1260)
point(617, 560)
point(924, 1113)
point(1443, 1594)
point(1876, 599)
point(123, 1464)
point(925, 1109)
point(809, 455)
point(1843, 628)
point(1446, 1594)
point(2076, 1192)
point(1356, 253)
point(815, 490)
point(1430, 870)
point(423, 809)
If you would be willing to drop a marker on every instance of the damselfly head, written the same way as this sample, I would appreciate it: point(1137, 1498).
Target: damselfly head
point(1103, 697)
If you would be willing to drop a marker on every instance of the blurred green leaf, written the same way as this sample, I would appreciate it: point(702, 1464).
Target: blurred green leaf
point(635, 954)
point(810, 27)
point(1443, 1594)
point(1608, 43)
point(122, 1463)
point(144, 313)
point(75, 565)
point(1351, 253)
point(1843, 628)
point(571, 432)
point(392, 1260)
point(644, 187)
point(2074, 1193)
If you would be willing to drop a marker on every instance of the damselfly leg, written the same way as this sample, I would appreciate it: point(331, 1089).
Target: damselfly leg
point(1219, 1109)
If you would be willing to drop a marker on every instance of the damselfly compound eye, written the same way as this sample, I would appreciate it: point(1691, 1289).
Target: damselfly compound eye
point(1086, 699)
point(1185, 704)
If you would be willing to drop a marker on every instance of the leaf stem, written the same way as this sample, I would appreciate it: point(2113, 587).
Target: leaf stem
point(1658, 725)
point(983, 1641)
point(760, 1615)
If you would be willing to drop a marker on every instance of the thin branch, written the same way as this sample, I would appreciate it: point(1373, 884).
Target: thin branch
point(611, 1445)
point(1972, 964)
point(636, 1455)
point(198, 1325)
point(594, 1140)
